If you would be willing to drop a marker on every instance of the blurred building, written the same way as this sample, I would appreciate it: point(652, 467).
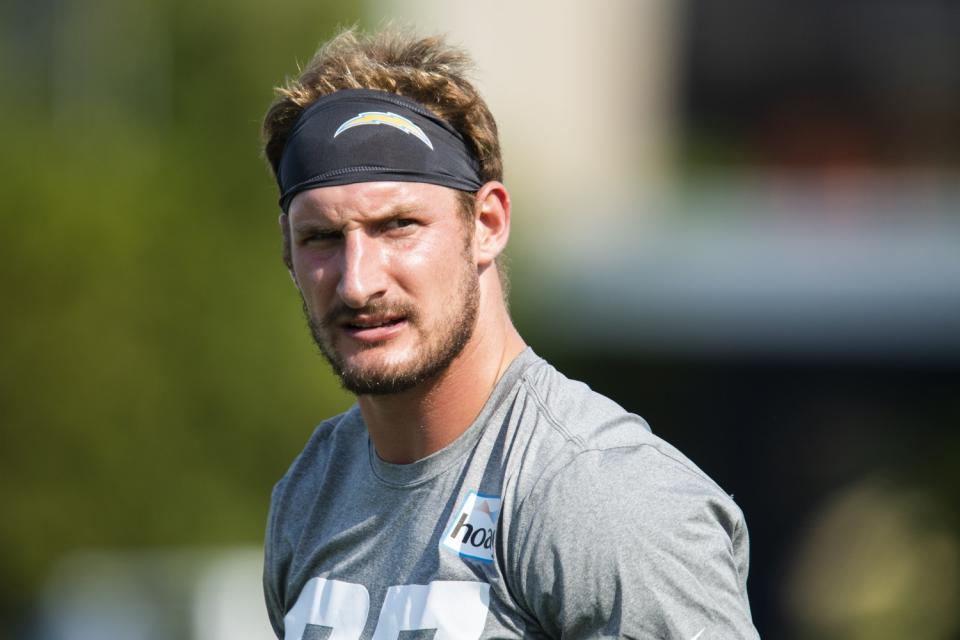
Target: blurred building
point(156, 595)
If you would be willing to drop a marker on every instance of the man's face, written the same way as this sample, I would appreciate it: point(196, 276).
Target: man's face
point(389, 285)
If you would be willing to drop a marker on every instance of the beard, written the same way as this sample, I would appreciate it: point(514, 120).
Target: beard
point(440, 344)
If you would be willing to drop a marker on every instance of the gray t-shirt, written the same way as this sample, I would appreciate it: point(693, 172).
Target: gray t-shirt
point(556, 513)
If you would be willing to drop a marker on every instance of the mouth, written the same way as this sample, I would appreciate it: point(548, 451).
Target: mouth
point(373, 328)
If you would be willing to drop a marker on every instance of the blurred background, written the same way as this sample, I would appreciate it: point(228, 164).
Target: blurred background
point(740, 220)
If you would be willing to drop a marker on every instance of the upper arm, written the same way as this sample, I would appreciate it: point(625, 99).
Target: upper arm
point(625, 542)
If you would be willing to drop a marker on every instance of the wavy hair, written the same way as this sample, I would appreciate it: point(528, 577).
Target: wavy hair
point(425, 69)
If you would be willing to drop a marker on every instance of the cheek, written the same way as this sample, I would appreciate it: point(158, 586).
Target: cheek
point(313, 272)
point(437, 256)
point(426, 274)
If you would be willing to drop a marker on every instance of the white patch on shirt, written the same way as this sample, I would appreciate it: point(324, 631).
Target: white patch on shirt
point(473, 529)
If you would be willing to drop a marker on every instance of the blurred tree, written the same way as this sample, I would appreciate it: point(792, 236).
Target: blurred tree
point(156, 376)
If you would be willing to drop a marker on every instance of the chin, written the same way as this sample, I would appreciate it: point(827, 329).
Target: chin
point(384, 376)
point(372, 371)
point(384, 357)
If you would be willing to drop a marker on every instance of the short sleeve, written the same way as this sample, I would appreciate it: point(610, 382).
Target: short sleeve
point(631, 542)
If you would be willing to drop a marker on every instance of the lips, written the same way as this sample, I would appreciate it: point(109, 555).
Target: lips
point(370, 321)
point(373, 328)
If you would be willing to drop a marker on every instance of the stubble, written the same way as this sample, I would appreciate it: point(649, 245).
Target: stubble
point(440, 344)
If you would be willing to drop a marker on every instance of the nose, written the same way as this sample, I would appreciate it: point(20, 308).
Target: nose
point(363, 275)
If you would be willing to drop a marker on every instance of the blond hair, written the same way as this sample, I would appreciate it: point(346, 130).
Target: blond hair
point(425, 69)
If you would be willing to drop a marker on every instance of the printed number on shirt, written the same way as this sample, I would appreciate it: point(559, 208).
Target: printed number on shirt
point(457, 610)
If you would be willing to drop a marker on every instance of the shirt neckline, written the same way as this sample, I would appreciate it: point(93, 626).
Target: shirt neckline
point(425, 469)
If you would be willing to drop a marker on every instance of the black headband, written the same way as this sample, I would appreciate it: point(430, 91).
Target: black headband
point(335, 142)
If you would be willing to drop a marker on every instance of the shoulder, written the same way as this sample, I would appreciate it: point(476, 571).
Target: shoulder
point(634, 538)
point(588, 449)
point(576, 414)
point(606, 454)
point(614, 509)
point(649, 485)
point(293, 494)
point(573, 427)
point(332, 441)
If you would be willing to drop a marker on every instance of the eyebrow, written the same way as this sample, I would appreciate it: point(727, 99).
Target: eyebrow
point(314, 225)
point(398, 211)
point(310, 228)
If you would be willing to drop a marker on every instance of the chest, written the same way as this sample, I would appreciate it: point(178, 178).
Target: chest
point(372, 561)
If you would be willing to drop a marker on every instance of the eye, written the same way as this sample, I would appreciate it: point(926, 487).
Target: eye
point(399, 224)
point(320, 237)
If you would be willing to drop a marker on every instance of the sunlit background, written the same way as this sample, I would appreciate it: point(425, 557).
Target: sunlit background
point(739, 219)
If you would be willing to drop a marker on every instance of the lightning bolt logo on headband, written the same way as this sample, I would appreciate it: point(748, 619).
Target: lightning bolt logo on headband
point(387, 118)
point(314, 157)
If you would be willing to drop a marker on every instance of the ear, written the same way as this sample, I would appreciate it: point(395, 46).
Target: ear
point(492, 222)
point(284, 221)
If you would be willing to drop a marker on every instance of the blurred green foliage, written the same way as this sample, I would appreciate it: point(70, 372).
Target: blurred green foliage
point(156, 376)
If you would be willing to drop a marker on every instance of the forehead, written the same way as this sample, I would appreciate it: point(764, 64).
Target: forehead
point(371, 200)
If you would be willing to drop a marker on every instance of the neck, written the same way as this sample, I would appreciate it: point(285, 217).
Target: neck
point(408, 426)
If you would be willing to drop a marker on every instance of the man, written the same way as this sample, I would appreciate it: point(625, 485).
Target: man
point(472, 491)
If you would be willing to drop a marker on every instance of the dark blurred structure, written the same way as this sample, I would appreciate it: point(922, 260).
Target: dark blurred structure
point(822, 85)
